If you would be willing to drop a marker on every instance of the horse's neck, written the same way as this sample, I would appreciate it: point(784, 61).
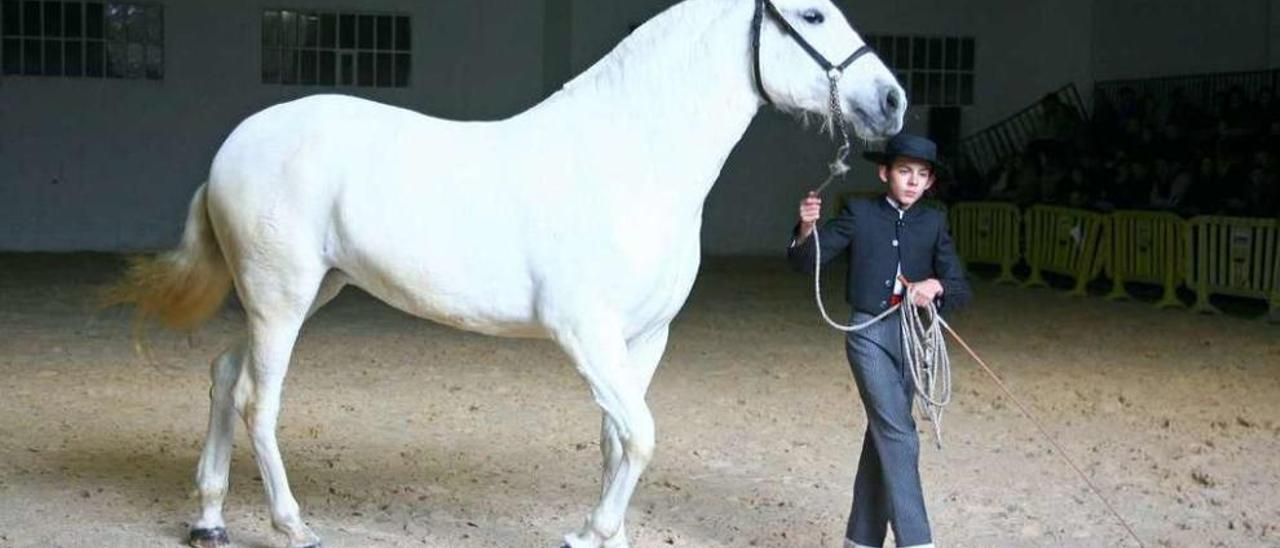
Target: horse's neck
point(666, 107)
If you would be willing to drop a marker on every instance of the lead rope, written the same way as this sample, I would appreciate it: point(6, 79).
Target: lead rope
point(924, 349)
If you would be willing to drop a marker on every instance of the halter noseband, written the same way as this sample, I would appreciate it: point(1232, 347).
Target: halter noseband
point(834, 72)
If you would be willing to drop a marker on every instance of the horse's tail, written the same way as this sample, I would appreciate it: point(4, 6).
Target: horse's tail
point(183, 287)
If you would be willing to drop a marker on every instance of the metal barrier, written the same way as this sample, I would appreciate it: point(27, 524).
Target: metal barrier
point(1065, 241)
point(987, 148)
point(1233, 256)
point(1274, 315)
point(1147, 247)
point(988, 233)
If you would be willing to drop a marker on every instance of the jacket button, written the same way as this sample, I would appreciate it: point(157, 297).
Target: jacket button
point(884, 304)
point(888, 283)
point(895, 243)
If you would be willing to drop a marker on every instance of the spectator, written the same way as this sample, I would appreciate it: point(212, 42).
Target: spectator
point(1238, 116)
point(1172, 185)
point(1179, 153)
point(1269, 108)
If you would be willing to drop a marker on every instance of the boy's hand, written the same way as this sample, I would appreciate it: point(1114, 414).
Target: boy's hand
point(923, 292)
point(810, 210)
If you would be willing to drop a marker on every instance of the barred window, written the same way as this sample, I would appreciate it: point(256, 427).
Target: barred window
point(934, 70)
point(82, 39)
point(335, 49)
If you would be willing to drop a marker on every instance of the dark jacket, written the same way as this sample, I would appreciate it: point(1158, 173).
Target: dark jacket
point(876, 240)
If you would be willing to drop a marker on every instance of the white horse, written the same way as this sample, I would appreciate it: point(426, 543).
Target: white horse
point(577, 220)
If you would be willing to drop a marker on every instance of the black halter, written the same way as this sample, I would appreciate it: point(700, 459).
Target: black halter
point(833, 71)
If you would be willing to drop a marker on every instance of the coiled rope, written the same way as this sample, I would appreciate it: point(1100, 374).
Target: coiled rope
point(924, 349)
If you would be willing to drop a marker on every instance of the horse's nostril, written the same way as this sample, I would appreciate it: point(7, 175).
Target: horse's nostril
point(892, 100)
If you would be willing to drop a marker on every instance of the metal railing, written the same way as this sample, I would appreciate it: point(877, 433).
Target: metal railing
point(989, 147)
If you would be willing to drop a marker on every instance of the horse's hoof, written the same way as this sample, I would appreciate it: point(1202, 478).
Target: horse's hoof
point(209, 538)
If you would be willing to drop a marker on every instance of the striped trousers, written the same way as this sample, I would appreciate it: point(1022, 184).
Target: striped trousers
point(886, 491)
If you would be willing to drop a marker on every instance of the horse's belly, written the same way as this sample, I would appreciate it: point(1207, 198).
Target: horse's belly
point(463, 310)
point(467, 290)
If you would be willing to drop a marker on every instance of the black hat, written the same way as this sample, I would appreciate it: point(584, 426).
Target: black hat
point(911, 146)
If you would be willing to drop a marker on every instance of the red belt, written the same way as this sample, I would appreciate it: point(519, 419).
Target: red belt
point(895, 299)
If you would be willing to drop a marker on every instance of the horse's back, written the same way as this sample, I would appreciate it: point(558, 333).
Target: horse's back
point(403, 203)
point(336, 131)
point(461, 222)
point(332, 155)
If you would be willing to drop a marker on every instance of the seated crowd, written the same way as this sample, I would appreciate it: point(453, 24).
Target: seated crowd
point(1146, 153)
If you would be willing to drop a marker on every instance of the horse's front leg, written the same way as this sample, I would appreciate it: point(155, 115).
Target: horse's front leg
point(643, 354)
point(619, 374)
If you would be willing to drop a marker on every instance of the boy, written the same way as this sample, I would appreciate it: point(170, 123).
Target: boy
point(887, 239)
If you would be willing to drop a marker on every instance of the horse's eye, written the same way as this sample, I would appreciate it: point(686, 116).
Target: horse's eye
point(814, 17)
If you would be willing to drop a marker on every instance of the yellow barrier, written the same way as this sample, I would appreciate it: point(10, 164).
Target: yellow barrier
point(1147, 247)
point(988, 233)
point(1065, 241)
point(1274, 315)
point(1233, 256)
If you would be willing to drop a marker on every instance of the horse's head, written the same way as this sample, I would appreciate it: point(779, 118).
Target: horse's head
point(795, 79)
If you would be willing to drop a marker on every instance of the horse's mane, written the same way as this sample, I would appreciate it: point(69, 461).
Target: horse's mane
point(645, 55)
point(635, 54)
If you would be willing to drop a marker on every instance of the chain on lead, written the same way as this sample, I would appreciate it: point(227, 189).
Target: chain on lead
point(837, 168)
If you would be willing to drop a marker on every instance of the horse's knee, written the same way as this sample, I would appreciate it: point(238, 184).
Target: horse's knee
point(640, 441)
point(640, 450)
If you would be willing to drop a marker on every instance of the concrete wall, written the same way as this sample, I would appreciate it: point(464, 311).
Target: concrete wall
point(1024, 49)
point(110, 164)
point(1140, 38)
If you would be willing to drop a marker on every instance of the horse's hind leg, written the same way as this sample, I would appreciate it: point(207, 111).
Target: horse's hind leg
point(276, 306)
point(211, 476)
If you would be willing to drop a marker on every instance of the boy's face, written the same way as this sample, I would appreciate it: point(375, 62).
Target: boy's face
point(907, 178)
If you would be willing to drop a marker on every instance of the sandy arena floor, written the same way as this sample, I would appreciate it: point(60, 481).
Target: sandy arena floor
point(399, 432)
